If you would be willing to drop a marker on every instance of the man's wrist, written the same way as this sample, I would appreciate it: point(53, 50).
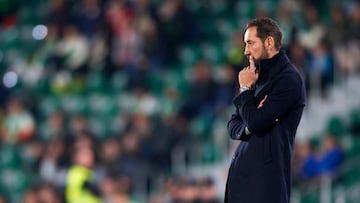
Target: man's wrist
point(244, 88)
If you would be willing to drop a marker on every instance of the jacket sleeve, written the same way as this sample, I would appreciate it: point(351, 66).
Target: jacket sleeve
point(284, 96)
point(236, 127)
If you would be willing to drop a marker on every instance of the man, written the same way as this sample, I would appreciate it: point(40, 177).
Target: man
point(80, 186)
point(268, 111)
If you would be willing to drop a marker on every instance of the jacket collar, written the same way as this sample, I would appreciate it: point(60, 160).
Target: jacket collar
point(272, 66)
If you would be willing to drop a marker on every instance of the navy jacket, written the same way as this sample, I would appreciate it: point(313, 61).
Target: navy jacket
point(260, 169)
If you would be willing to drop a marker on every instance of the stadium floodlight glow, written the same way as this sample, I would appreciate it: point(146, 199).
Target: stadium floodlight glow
point(39, 32)
point(10, 79)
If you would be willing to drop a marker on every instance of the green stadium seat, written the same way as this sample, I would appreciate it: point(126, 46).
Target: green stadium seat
point(213, 53)
point(100, 126)
point(96, 82)
point(209, 153)
point(311, 197)
point(73, 104)
point(336, 126)
point(9, 157)
point(189, 54)
point(15, 183)
point(156, 83)
point(353, 150)
point(48, 104)
point(101, 105)
point(202, 126)
point(118, 82)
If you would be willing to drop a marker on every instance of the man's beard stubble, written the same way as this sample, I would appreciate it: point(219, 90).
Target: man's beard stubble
point(264, 54)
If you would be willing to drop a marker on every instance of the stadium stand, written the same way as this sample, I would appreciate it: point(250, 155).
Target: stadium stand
point(146, 85)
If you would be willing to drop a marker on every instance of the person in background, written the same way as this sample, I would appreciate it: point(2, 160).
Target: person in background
point(207, 192)
point(80, 185)
point(19, 123)
point(2, 199)
point(331, 157)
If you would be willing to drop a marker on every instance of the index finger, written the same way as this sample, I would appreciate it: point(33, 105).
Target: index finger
point(252, 63)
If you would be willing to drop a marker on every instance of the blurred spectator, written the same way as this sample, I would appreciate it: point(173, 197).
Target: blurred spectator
point(308, 162)
point(347, 58)
point(30, 196)
point(19, 123)
point(49, 51)
point(78, 124)
point(321, 69)
point(159, 145)
point(53, 159)
point(338, 27)
point(285, 20)
point(141, 125)
point(110, 154)
point(88, 17)
point(355, 21)
point(152, 48)
point(44, 193)
point(132, 163)
point(125, 50)
point(116, 190)
point(202, 95)
point(144, 8)
point(80, 186)
point(170, 190)
point(83, 139)
point(74, 49)
point(227, 87)
point(2, 199)
point(34, 152)
point(146, 103)
point(176, 26)
point(314, 31)
point(55, 127)
point(300, 57)
point(207, 191)
point(3, 96)
point(47, 194)
point(8, 9)
point(140, 79)
point(331, 157)
point(235, 55)
point(188, 192)
point(57, 14)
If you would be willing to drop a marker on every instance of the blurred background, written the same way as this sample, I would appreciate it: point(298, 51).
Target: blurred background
point(127, 101)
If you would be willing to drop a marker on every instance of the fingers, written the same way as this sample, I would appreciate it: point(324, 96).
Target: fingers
point(252, 63)
point(262, 102)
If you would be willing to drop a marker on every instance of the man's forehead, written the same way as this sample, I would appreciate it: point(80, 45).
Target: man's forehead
point(250, 33)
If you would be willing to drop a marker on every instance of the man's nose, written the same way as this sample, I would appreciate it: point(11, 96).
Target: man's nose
point(246, 52)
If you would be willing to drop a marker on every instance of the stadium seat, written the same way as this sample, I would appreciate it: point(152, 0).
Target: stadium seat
point(9, 157)
point(354, 122)
point(336, 126)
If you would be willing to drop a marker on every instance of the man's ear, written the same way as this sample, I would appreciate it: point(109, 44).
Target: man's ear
point(269, 42)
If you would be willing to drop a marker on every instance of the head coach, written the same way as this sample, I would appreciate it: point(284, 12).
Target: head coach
point(267, 113)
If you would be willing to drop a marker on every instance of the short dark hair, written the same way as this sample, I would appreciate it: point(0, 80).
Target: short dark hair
point(266, 27)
